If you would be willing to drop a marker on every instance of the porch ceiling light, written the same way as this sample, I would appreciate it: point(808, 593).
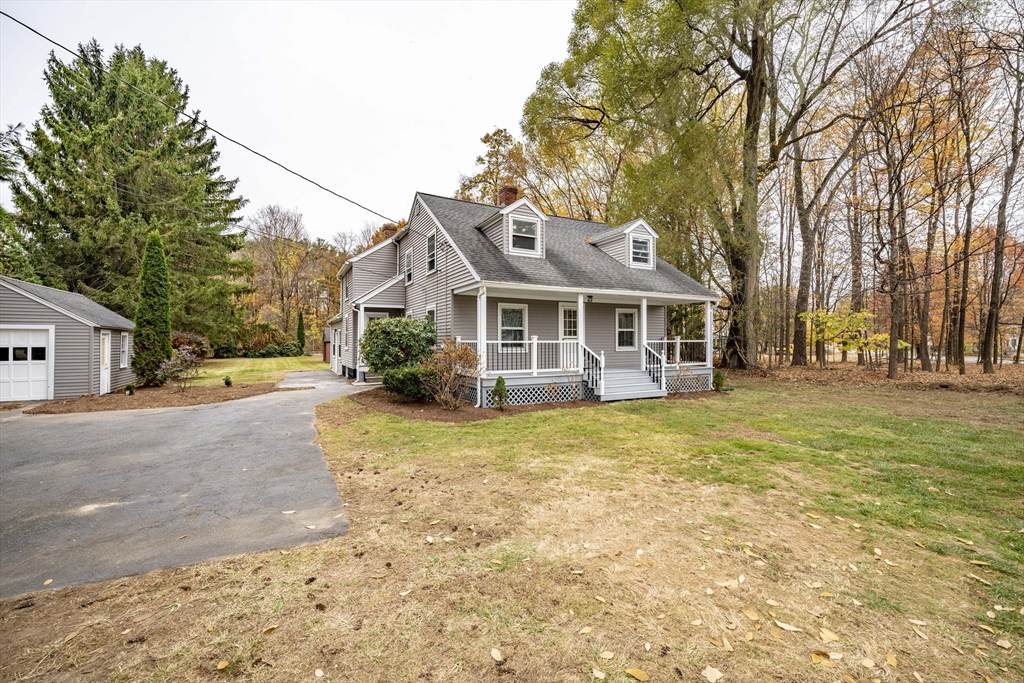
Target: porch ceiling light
point(590, 298)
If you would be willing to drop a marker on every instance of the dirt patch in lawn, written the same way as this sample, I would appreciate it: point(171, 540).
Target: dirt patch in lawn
point(157, 397)
point(1008, 378)
point(384, 401)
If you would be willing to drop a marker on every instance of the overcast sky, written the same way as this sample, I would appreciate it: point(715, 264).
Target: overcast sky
point(375, 100)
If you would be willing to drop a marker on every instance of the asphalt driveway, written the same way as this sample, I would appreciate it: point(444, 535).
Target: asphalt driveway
point(92, 496)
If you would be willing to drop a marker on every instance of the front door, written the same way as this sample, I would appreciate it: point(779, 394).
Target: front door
point(568, 334)
point(104, 361)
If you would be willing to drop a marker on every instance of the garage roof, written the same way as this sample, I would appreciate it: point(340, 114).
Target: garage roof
point(77, 305)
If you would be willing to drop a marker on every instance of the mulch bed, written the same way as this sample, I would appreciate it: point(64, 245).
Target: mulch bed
point(156, 397)
point(9, 406)
point(384, 401)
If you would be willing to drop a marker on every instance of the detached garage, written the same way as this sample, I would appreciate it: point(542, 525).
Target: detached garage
point(55, 344)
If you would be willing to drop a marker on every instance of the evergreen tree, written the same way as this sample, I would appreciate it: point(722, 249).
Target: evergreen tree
point(14, 260)
point(106, 164)
point(152, 342)
point(300, 335)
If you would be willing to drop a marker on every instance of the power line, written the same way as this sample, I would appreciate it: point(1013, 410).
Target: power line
point(195, 119)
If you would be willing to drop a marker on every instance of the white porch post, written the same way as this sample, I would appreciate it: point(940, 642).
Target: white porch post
point(581, 330)
point(359, 334)
point(481, 329)
point(533, 354)
point(709, 332)
point(643, 333)
point(678, 348)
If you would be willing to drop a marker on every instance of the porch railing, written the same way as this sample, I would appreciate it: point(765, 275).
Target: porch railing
point(681, 350)
point(654, 363)
point(593, 370)
point(530, 356)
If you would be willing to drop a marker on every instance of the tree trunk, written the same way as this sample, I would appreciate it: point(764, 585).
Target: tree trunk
point(991, 334)
point(856, 257)
point(807, 246)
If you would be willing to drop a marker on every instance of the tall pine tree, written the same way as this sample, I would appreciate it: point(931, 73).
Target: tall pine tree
point(300, 334)
point(152, 340)
point(106, 164)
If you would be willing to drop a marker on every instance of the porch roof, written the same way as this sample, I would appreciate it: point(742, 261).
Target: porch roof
point(570, 262)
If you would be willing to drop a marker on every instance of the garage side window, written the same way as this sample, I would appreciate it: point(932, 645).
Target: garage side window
point(124, 349)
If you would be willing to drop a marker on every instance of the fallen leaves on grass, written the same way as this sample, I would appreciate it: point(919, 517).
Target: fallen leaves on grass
point(496, 654)
point(788, 627)
point(638, 674)
point(712, 674)
point(607, 655)
point(269, 629)
point(598, 674)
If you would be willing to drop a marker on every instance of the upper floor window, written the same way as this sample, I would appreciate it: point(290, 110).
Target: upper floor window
point(408, 266)
point(344, 288)
point(525, 236)
point(640, 251)
point(431, 252)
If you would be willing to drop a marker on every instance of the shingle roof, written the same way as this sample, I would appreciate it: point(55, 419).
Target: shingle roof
point(570, 261)
point(76, 304)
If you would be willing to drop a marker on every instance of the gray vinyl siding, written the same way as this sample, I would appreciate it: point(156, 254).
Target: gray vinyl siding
point(496, 231)
point(348, 347)
point(118, 376)
point(619, 248)
point(526, 212)
point(392, 296)
point(464, 312)
point(432, 290)
point(372, 270)
point(656, 328)
point(71, 352)
point(541, 318)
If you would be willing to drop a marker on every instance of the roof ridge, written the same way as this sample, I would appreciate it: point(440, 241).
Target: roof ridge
point(492, 206)
point(36, 284)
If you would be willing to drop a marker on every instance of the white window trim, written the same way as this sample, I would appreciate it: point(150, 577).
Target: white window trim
point(344, 332)
point(344, 288)
point(428, 315)
point(427, 247)
point(524, 252)
point(408, 266)
point(635, 330)
point(650, 252)
point(124, 350)
point(526, 329)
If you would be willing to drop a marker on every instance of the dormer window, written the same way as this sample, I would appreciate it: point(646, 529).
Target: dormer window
point(525, 238)
point(640, 251)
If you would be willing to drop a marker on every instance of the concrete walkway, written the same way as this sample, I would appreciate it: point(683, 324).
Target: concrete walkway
point(93, 496)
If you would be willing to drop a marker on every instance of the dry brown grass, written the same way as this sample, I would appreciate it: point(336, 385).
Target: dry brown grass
point(519, 557)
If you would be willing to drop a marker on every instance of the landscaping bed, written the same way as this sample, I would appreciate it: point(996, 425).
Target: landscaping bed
point(384, 401)
point(155, 397)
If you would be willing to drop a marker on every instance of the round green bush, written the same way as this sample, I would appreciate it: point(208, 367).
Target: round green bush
point(408, 381)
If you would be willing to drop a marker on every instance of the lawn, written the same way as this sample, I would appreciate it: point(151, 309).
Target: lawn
point(243, 370)
point(781, 532)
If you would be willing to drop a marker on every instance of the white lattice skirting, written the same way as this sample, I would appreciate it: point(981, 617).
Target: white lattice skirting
point(549, 393)
point(676, 385)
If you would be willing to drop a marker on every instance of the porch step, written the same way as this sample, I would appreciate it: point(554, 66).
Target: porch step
point(623, 384)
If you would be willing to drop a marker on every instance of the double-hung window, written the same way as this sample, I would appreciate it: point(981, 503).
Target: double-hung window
point(344, 288)
point(640, 251)
point(124, 349)
point(408, 266)
point(525, 236)
point(512, 326)
point(431, 252)
point(625, 329)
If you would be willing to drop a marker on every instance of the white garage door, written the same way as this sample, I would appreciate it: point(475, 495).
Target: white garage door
point(24, 364)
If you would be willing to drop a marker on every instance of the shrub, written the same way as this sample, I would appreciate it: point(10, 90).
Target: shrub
point(129, 389)
point(256, 336)
point(449, 366)
point(718, 380)
point(499, 395)
point(226, 349)
point(152, 339)
point(408, 381)
point(391, 343)
point(291, 348)
point(227, 380)
point(196, 343)
point(182, 368)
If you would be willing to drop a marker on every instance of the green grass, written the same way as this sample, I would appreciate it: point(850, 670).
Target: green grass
point(256, 369)
point(938, 465)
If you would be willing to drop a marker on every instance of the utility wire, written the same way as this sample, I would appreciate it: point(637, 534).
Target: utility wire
point(195, 119)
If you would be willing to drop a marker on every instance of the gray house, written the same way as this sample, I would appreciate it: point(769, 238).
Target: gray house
point(562, 309)
point(55, 344)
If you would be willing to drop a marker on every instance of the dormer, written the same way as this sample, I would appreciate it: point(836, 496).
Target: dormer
point(518, 227)
point(633, 244)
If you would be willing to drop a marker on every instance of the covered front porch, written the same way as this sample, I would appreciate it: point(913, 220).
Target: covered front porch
point(554, 344)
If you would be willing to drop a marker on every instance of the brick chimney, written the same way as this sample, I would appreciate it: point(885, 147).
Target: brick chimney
point(508, 194)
